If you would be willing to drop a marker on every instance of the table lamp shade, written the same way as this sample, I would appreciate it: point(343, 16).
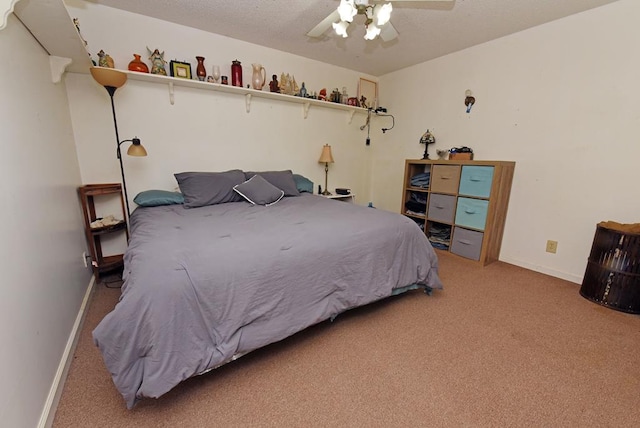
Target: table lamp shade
point(326, 156)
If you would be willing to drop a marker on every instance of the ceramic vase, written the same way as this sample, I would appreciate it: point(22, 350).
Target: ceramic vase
point(259, 76)
point(201, 72)
point(236, 73)
point(136, 64)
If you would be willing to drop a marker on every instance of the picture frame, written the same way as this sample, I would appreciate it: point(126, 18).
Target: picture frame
point(181, 70)
point(368, 89)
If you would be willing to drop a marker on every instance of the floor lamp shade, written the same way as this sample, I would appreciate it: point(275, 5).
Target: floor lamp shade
point(326, 158)
point(108, 76)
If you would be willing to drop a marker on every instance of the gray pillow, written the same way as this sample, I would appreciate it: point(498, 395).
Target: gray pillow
point(283, 180)
point(259, 191)
point(209, 188)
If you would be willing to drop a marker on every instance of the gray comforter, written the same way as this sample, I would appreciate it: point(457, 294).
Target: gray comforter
point(207, 284)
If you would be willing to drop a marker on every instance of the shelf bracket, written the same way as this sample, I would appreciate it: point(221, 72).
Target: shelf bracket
point(171, 97)
point(247, 101)
point(58, 66)
point(305, 108)
point(351, 113)
point(6, 8)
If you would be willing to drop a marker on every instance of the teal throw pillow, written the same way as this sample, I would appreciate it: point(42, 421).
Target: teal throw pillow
point(303, 183)
point(154, 198)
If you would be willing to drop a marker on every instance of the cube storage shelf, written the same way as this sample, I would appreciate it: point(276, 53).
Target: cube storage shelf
point(461, 205)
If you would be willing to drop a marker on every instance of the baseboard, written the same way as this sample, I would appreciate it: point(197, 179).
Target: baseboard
point(48, 412)
point(544, 269)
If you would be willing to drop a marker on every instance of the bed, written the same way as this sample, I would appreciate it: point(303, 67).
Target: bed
point(203, 286)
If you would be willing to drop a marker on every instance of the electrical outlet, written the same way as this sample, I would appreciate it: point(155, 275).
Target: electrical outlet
point(84, 258)
point(552, 246)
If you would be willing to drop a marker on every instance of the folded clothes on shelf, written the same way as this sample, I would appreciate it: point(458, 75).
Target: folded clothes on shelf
point(421, 179)
point(416, 207)
point(439, 235)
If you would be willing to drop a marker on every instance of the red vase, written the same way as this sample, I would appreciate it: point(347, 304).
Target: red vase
point(201, 72)
point(137, 65)
point(236, 73)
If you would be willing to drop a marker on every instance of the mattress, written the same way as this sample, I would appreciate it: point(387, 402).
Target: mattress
point(202, 286)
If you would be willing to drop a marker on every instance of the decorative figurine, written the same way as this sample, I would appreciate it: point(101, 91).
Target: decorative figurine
point(157, 62)
point(105, 60)
point(303, 91)
point(273, 85)
point(287, 84)
point(442, 154)
point(363, 102)
point(76, 22)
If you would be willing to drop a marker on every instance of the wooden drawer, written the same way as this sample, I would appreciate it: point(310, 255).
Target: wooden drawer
point(467, 243)
point(445, 178)
point(476, 181)
point(472, 213)
point(441, 208)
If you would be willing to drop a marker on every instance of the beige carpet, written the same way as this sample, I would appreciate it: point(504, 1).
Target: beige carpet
point(501, 346)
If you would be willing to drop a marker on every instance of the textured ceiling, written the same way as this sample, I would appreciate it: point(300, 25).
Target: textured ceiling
point(426, 30)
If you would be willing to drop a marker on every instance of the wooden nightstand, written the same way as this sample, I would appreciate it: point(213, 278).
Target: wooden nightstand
point(102, 265)
point(346, 198)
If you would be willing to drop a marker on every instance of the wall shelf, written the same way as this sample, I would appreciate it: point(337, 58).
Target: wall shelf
point(248, 93)
point(51, 25)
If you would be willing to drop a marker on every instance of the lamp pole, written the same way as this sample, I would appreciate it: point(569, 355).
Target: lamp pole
point(111, 90)
point(326, 179)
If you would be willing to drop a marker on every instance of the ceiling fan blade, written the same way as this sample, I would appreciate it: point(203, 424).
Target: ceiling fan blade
point(388, 32)
point(420, 1)
point(324, 25)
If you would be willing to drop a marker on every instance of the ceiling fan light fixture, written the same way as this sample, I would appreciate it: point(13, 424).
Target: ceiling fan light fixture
point(382, 13)
point(341, 28)
point(372, 31)
point(347, 10)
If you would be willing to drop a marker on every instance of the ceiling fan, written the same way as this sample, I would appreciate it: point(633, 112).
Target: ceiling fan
point(377, 14)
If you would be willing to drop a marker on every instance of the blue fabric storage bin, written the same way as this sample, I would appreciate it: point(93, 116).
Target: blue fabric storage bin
point(472, 213)
point(476, 181)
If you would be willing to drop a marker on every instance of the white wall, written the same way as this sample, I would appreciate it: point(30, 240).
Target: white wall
point(41, 227)
point(558, 99)
point(561, 100)
point(206, 130)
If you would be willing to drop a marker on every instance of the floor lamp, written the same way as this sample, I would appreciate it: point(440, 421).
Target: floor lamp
point(113, 79)
point(326, 158)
